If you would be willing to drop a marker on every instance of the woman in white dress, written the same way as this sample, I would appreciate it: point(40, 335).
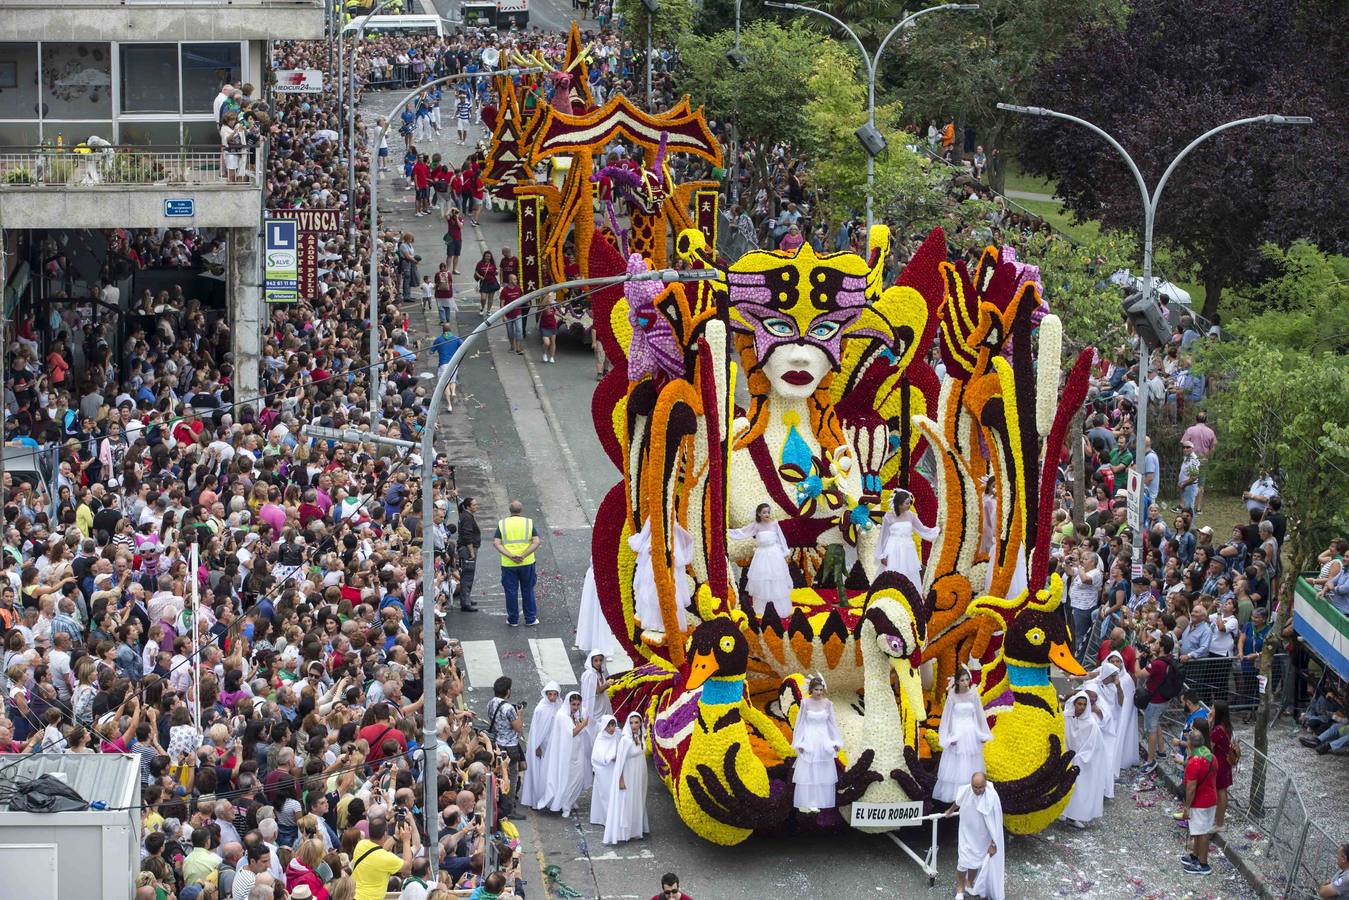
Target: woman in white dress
point(1082, 735)
point(1126, 734)
point(963, 732)
point(564, 766)
point(895, 550)
point(534, 780)
point(816, 740)
point(646, 601)
point(602, 762)
point(592, 629)
point(769, 580)
point(626, 817)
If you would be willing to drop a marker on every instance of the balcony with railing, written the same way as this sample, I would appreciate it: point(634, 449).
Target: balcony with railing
point(155, 20)
point(129, 187)
point(74, 168)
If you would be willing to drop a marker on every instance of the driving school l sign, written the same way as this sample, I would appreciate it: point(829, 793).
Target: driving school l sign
point(886, 815)
point(282, 245)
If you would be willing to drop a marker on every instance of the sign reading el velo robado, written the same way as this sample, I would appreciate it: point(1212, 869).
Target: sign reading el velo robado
point(890, 815)
point(312, 223)
point(281, 283)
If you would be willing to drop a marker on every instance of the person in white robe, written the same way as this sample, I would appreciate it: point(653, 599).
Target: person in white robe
point(646, 600)
point(816, 740)
point(563, 762)
point(980, 862)
point(896, 550)
point(769, 580)
point(602, 762)
point(592, 629)
point(1127, 733)
point(962, 734)
point(1103, 697)
point(595, 703)
point(534, 780)
point(626, 817)
point(1109, 685)
point(1082, 735)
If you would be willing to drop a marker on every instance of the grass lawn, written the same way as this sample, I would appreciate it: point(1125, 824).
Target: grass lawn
point(1017, 180)
point(1060, 219)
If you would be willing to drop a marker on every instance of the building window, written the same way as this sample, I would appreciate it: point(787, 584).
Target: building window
point(19, 134)
point(18, 81)
point(205, 67)
point(149, 78)
point(76, 81)
point(150, 134)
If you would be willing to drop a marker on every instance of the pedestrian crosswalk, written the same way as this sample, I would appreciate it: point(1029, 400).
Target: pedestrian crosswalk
point(551, 661)
point(550, 656)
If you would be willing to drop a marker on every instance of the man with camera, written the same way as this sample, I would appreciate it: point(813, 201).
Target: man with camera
point(505, 725)
point(1082, 571)
point(372, 865)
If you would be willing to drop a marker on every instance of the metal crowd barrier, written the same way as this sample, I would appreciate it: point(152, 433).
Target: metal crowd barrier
point(1267, 822)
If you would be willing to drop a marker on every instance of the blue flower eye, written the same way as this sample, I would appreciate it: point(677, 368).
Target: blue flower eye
point(643, 321)
point(779, 327)
point(823, 331)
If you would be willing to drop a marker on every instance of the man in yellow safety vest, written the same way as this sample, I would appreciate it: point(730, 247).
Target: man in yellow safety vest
point(516, 540)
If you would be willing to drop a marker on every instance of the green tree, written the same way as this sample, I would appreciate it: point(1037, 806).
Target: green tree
point(1304, 303)
point(1076, 282)
point(672, 21)
point(961, 65)
point(767, 98)
point(906, 193)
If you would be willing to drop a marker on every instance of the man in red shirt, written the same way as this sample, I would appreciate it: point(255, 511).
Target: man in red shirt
point(421, 180)
point(1117, 643)
point(669, 888)
point(1201, 800)
point(1155, 675)
point(382, 730)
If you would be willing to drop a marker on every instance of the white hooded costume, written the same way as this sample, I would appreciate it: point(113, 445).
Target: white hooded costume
point(1126, 734)
point(816, 740)
point(592, 629)
point(626, 817)
point(1108, 706)
point(602, 762)
point(963, 732)
point(980, 826)
point(595, 706)
point(534, 781)
point(564, 766)
point(1082, 735)
point(646, 600)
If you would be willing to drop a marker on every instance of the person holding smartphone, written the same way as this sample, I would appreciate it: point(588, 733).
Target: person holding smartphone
point(1082, 572)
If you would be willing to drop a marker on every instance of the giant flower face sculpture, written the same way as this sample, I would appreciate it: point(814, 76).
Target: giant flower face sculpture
point(797, 301)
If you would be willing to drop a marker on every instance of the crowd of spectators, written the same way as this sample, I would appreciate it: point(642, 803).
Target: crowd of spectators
point(304, 774)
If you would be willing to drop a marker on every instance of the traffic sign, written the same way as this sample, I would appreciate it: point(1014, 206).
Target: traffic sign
point(282, 246)
point(183, 208)
point(1135, 501)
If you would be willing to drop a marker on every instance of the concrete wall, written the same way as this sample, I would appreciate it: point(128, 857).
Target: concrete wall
point(246, 312)
point(113, 206)
point(90, 20)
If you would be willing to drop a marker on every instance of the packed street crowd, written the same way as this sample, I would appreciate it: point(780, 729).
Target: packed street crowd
point(303, 776)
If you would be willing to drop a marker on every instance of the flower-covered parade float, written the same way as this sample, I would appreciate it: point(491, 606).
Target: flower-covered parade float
point(791, 407)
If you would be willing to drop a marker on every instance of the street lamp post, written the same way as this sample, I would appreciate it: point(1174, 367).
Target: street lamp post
point(1150, 204)
point(872, 140)
point(374, 223)
point(652, 7)
point(428, 456)
point(351, 119)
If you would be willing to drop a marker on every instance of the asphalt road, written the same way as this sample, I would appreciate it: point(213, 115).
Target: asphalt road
point(522, 430)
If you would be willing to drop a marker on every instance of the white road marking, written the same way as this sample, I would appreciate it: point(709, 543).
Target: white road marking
point(613, 856)
point(551, 661)
point(619, 664)
point(482, 663)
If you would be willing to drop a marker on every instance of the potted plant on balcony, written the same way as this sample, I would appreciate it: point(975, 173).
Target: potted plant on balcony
point(19, 175)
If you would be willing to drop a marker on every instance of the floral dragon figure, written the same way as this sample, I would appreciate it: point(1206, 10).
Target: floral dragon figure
point(644, 191)
point(843, 410)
